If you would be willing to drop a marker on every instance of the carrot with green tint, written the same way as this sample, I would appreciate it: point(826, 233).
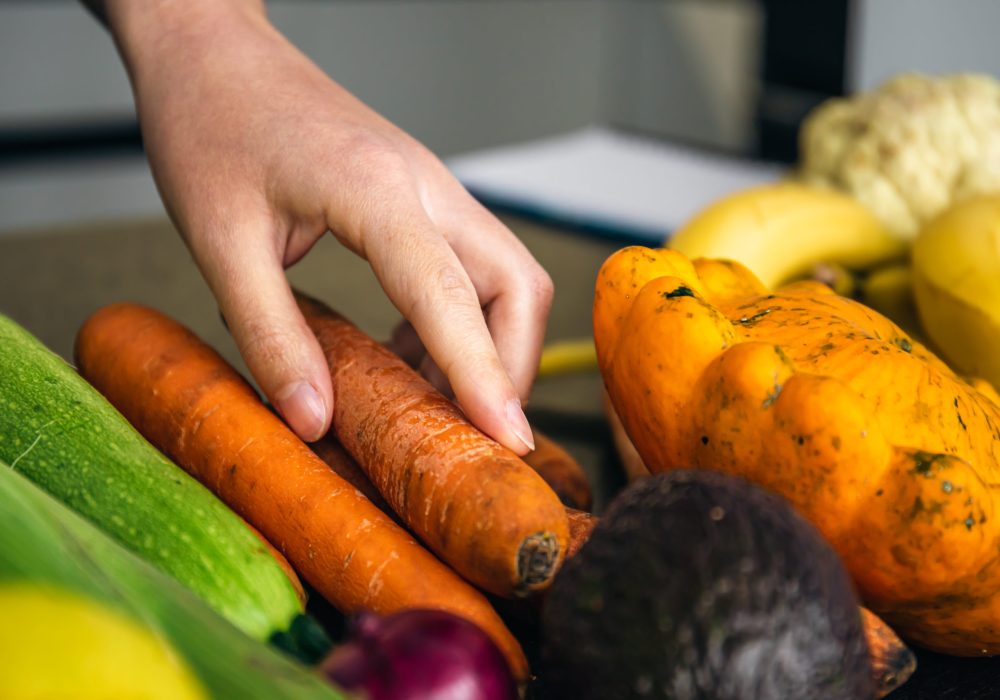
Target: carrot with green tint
point(196, 408)
point(471, 500)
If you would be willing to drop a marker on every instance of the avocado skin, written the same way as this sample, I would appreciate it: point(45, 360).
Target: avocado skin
point(700, 585)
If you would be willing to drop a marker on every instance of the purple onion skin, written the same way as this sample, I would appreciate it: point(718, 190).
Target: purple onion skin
point(420, 655)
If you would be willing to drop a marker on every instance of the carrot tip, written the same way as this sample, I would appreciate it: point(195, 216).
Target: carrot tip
point(536, 560)
point(898, 668)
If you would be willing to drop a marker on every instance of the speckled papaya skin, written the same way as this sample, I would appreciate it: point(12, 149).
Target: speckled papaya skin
point(894, 457)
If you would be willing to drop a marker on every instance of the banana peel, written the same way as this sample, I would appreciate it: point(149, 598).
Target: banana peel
point(781, 231)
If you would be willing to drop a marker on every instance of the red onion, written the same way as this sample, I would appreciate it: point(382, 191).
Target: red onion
point(420, 655)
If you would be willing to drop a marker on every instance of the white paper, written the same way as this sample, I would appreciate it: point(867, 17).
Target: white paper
point(620, 183)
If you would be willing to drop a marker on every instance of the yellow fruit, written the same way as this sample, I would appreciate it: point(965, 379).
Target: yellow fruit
point(889, 290)
point(781, 231)
point(55, 645)
point(567, 357)
point(835, 276)
point(956, 280)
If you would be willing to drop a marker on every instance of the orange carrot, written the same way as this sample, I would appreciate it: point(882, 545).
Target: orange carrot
point(336, 457)
point(561, 472)
point(197, 409)
point(581, 524)
point(474, 502)
point(333, 453)
point(892, 662)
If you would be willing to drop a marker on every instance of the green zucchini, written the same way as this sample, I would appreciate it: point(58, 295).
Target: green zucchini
point(44, 543)
point(63, 435)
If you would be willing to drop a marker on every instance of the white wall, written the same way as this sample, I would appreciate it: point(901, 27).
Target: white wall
point(57, 62)
point(933, 36)
point(684, 69)
point(459, 74)
point(466, 74)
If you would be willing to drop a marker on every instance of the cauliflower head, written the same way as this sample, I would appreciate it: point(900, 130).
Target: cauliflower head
point(909, 149)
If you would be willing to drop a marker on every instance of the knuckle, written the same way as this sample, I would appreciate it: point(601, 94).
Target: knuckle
point(453, 283)
point(367, 153)
point(540, 286)
point(368, 180)
point(267, 345)
point(443, 288)
point(480, 360)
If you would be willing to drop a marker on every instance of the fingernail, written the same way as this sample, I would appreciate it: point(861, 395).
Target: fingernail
point(519, 423)
point(303, 409)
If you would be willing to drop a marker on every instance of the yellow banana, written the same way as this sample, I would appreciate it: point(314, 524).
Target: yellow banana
point(781, 231)
point(956, 282)
point(568, 357)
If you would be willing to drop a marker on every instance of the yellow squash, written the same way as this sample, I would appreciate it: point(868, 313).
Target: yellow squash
point(956, 282)
point(55, 644)
point(890, 454)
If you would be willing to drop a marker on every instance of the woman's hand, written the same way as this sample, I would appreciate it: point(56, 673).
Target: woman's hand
point(257, 153)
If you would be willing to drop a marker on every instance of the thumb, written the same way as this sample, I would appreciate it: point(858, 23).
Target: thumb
point(273, 338)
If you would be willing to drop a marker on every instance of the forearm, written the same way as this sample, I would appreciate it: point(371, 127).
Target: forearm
point(141, 28)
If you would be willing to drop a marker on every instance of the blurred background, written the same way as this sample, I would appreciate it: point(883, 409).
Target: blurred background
point(466, 75)
point(617, 117)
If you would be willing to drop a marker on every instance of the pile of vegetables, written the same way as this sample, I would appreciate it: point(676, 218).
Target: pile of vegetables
point(722, 354)
point(160, 557)
point(794, 453)
point(420, 629)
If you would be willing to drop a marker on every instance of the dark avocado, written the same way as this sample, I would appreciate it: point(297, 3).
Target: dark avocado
point(700, 585)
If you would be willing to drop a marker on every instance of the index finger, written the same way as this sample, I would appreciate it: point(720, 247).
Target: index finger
point(425, 280)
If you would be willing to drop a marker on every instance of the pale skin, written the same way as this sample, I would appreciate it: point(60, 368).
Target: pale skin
point(257, 154)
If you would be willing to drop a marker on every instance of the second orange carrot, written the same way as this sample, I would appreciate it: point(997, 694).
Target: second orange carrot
point(198, 410)
point(473, 501)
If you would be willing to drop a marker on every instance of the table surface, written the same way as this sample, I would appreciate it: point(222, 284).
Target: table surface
point(50, 281)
